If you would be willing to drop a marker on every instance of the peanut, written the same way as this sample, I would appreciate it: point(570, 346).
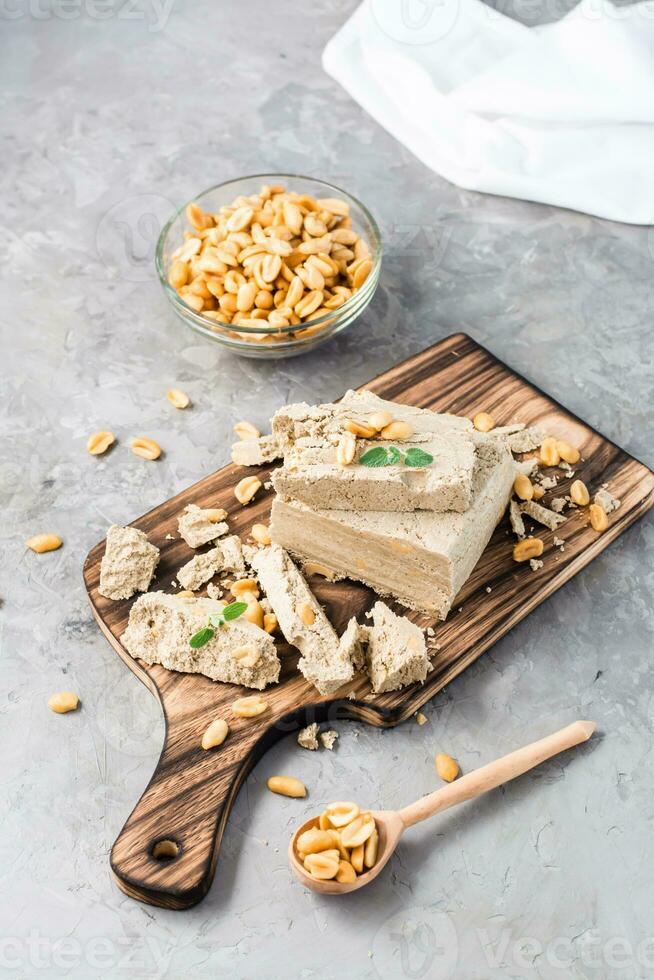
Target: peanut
point(145, 448)
point(315, 568)
point(307, 615)
point(396, 430)
point(370, 849)
point(261, 534)
point(249, 707)
point(346, 873)
point(360, 429)
point(358, 831)
point(527, 548)
point(483, 422)
point(539, 493)
point(185, 594)
point(215, 734)
point(314, 840)
point(63, 702)
point(357, 856)
point(523, 488)
point(245, 430)
point(247, 655)
point(287, 786)
point(270, 623)
point(245, 585)
point(568, 452)
point(579, 493)
point(254, 611)
point(446, 767)
point(99, 442)
point(549, 452)
point(44, 542)
point(178, 398)
point(215, 514)
point(346, 449)
point(322, 866)
point(598, 519)
point(246, 489)
point(379, 420)
point(342, 813)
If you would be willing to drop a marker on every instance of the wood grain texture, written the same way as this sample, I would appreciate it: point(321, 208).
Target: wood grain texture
point(191, 791)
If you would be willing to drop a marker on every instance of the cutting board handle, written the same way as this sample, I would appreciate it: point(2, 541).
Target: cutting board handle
point(167, 851)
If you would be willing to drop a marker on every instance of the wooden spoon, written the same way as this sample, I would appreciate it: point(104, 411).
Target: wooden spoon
point(391, 824)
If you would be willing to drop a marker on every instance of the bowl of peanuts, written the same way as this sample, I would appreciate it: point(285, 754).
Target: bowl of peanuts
point(271, 265)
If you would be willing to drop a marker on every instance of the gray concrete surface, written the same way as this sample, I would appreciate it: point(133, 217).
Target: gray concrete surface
point(108, 121)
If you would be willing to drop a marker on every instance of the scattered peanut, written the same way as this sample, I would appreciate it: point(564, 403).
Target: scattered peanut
point(420, 718)
point(276, 258)
point(246, 489)
point(185, 594)
point(307, 615)
point(483, 422)
point(215, 514)
point(99, 442)
point(44, 542)
point(261, 534)
point(249, 707)
point(270, 623)
point(446, 767)
point(287, 786)
point(579, 493)
point(178, 398)
point(527, 548)
point(63, 702)
point(567, 452)
point(346, 449)
point(396, 430)
point(315, 568)
point(523, 487)
point(539, 493)
point(145, 448)
point(215, 734)
point(245, 430)
point(598, 519)
point(549, 452)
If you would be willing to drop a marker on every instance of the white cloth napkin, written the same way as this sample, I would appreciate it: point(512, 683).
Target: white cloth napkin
point(562, 114)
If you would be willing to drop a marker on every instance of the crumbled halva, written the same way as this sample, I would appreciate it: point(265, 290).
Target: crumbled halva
point(396, 652)
point(549, 518)
point(515, 517)
point(227, 556)
point(328, 738)
point(557, 504)
point(526, 440)
point(325, 662)
point(256, 452)
point(422, 558)
point(606, 500)
point(128, 563)
point(160, 627)
point(198, 525)
point(307, 738)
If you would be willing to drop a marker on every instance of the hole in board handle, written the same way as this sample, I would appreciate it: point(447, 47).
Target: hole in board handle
point(165, 850)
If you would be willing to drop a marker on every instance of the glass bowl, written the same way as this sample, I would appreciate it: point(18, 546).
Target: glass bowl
point(267, 341)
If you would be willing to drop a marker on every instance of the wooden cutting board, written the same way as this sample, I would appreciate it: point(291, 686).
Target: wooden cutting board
point(190, 795)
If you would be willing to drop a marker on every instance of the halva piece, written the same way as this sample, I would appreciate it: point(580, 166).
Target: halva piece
point(128, 563)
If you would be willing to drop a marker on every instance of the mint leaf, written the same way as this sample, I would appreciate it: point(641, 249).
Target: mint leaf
point(234, 610)
point(375, 457)
point(394, 456)
point(201, 637)
point(417, 457)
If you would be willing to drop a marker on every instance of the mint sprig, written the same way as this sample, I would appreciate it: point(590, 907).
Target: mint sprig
point(215, 621)
point(391, 455)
